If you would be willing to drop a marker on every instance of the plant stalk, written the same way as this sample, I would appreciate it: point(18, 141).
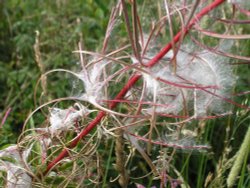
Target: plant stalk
point(240, 158)
point(64, 153)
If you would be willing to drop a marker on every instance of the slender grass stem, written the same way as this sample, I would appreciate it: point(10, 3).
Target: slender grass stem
point(108, 164)
point(241, 155)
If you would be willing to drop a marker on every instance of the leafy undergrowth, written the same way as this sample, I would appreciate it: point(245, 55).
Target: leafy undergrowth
point(161, 102)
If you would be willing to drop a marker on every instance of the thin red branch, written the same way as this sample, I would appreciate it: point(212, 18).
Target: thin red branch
point(133, 80)
point(5, 117)
point(64, 152)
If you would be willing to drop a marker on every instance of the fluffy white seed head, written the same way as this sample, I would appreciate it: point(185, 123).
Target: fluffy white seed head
point(93, 81)
point(17, 176)
point(198, 76)
point(243, 3)
point(64, 119)
point(11, 151)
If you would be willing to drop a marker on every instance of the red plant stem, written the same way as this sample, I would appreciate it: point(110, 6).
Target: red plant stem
point(184, 31)
point(133, 80)
point(5, 117)
point(64, 152)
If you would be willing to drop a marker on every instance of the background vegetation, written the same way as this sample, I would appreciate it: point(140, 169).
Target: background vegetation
point(61, 24)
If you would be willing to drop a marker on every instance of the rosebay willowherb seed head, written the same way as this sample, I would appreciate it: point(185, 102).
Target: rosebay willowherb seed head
point(17, 176)
point(199, 81)
point(64, 119)
point(93, 81)
point(242, 3)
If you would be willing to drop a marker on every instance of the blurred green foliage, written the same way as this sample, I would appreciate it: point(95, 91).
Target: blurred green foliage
point(61, 24)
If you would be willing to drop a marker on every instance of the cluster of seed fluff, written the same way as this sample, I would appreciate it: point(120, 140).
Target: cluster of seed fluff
point(93, 82)
point(243, 3)
point(195, 80)
point(17, 176)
